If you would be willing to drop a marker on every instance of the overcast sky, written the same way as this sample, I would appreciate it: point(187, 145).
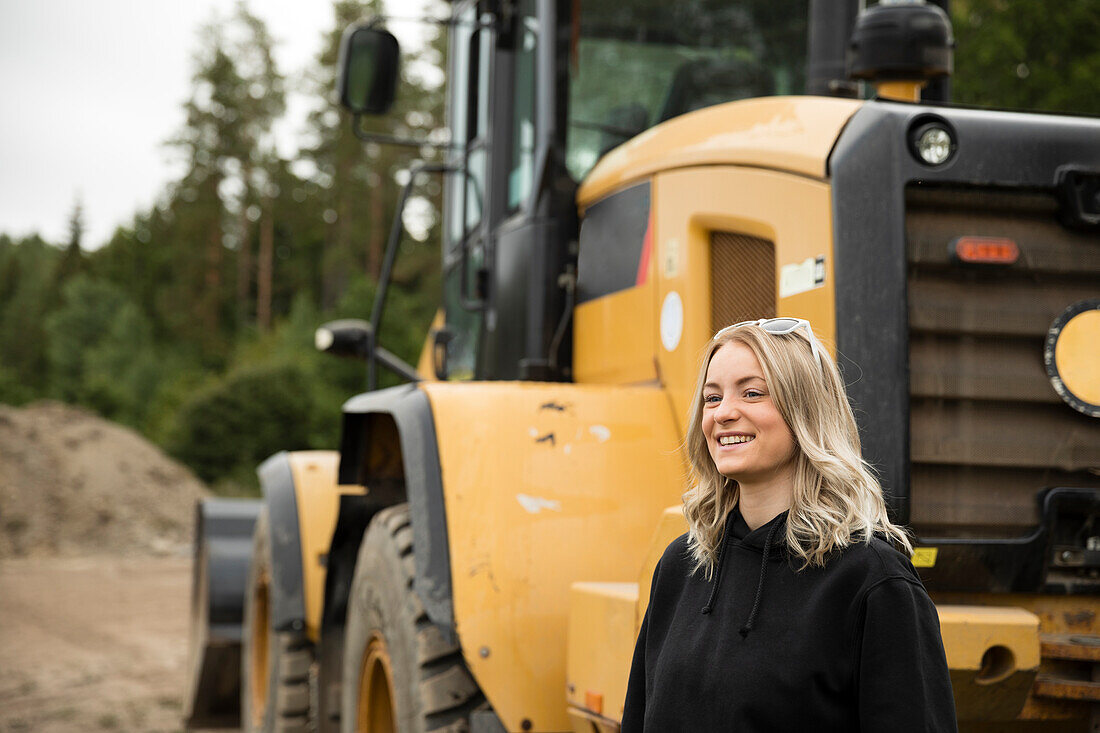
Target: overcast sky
point(91, 89)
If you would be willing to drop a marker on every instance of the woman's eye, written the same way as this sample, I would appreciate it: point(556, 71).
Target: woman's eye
point(754, 393)
point(712, 399)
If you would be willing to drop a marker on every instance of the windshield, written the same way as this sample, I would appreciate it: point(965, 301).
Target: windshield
point(636, 63)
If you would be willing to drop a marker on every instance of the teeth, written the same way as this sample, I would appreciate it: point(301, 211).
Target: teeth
point(731, 439)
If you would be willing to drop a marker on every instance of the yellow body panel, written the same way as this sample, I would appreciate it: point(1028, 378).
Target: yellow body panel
point(318, 497)
point(782, 133)
point(792, 211)
point(569, 481)
point(604, 620)
point(970, 631)
point(601, 627)
point(993, 656)
point(615, 337)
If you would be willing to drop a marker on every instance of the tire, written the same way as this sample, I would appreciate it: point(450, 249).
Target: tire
point(275, 665)
point(400, 674)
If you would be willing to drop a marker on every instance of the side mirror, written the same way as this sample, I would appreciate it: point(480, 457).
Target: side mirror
point(368, 69)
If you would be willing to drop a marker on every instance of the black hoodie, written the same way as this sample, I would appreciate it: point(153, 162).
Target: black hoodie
point(853, 646)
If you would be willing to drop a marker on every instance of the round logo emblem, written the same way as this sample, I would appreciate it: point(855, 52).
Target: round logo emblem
point(1072, 356)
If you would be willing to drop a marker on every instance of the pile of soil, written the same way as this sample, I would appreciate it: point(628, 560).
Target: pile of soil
point(74, 484)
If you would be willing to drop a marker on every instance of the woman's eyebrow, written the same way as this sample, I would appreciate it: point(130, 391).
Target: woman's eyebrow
point(738, 383)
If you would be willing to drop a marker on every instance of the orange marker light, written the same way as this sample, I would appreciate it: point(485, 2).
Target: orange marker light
point(986, 250)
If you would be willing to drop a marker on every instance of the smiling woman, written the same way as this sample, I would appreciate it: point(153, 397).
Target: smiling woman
point(747, 438)
point(787, 605)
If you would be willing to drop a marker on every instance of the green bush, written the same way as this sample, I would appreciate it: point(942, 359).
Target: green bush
point(225, 430)
point(100, 351)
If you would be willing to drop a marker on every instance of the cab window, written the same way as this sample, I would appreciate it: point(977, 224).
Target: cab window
point(523, 106)
point(637, 63)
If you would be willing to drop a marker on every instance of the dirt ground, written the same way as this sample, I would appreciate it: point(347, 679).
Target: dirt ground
point(96, 644)
point(95, 575)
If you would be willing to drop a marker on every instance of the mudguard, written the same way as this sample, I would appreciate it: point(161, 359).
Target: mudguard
point(378, 426)
point(288, 612)
point(223, 549)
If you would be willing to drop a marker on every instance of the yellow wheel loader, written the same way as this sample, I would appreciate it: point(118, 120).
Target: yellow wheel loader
point(623, 179)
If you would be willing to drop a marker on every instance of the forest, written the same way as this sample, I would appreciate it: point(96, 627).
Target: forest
point(194, 323)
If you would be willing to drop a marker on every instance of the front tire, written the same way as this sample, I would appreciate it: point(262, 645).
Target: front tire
point(400, 674)
point(275, 665)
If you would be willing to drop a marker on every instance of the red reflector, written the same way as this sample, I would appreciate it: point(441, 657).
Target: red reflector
point(986, 250)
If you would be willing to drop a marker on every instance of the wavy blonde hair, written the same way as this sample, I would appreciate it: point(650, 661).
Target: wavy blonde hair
point(836, 499)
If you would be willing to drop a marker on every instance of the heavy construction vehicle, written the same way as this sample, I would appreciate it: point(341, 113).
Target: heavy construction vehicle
point(624, 178)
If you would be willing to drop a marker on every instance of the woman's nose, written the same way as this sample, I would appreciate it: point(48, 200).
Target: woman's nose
point(727, 411)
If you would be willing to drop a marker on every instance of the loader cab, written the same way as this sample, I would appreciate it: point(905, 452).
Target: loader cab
point(538, 95)
point(538, 91)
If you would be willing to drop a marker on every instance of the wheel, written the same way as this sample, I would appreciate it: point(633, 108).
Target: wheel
point(400, 674)
point(275, 665)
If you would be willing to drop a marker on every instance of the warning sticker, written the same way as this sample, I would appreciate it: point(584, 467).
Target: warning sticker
point(670, 263)
point(802, 276)
point(925, 557)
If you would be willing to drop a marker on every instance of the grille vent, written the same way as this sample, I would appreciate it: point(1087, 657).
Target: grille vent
point(742, 278)
point(987, 430)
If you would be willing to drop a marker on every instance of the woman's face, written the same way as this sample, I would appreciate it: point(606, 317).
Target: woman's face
point(747, 437)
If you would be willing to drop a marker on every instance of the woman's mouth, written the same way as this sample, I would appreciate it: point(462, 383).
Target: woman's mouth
point(735, 439)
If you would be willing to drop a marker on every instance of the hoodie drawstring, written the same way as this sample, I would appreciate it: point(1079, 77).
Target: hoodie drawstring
point(718, 564)
point(760, 586)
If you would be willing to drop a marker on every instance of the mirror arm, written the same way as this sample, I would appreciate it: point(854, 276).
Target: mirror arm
point(383, 139)
point(387, 263)
point(445, 22)
point(397, 365)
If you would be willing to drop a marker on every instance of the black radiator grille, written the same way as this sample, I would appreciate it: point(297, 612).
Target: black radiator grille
point(987, 430)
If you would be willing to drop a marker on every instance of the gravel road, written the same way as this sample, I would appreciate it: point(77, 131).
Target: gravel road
point(93, 644)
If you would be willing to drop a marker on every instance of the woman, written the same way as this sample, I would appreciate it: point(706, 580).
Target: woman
point(786, 606)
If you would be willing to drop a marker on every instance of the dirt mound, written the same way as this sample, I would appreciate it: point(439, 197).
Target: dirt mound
point(72, 483)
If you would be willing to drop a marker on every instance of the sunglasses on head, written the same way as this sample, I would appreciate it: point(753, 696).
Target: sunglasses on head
point(780, 326)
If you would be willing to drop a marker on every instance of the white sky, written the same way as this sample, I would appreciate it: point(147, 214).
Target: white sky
point(91, 90)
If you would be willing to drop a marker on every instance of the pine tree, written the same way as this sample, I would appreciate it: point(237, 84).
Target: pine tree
point(73, 259)
point(264, 103)
point(238, 94)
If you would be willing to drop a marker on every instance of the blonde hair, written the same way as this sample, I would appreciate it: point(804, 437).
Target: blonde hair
point(836, 499)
